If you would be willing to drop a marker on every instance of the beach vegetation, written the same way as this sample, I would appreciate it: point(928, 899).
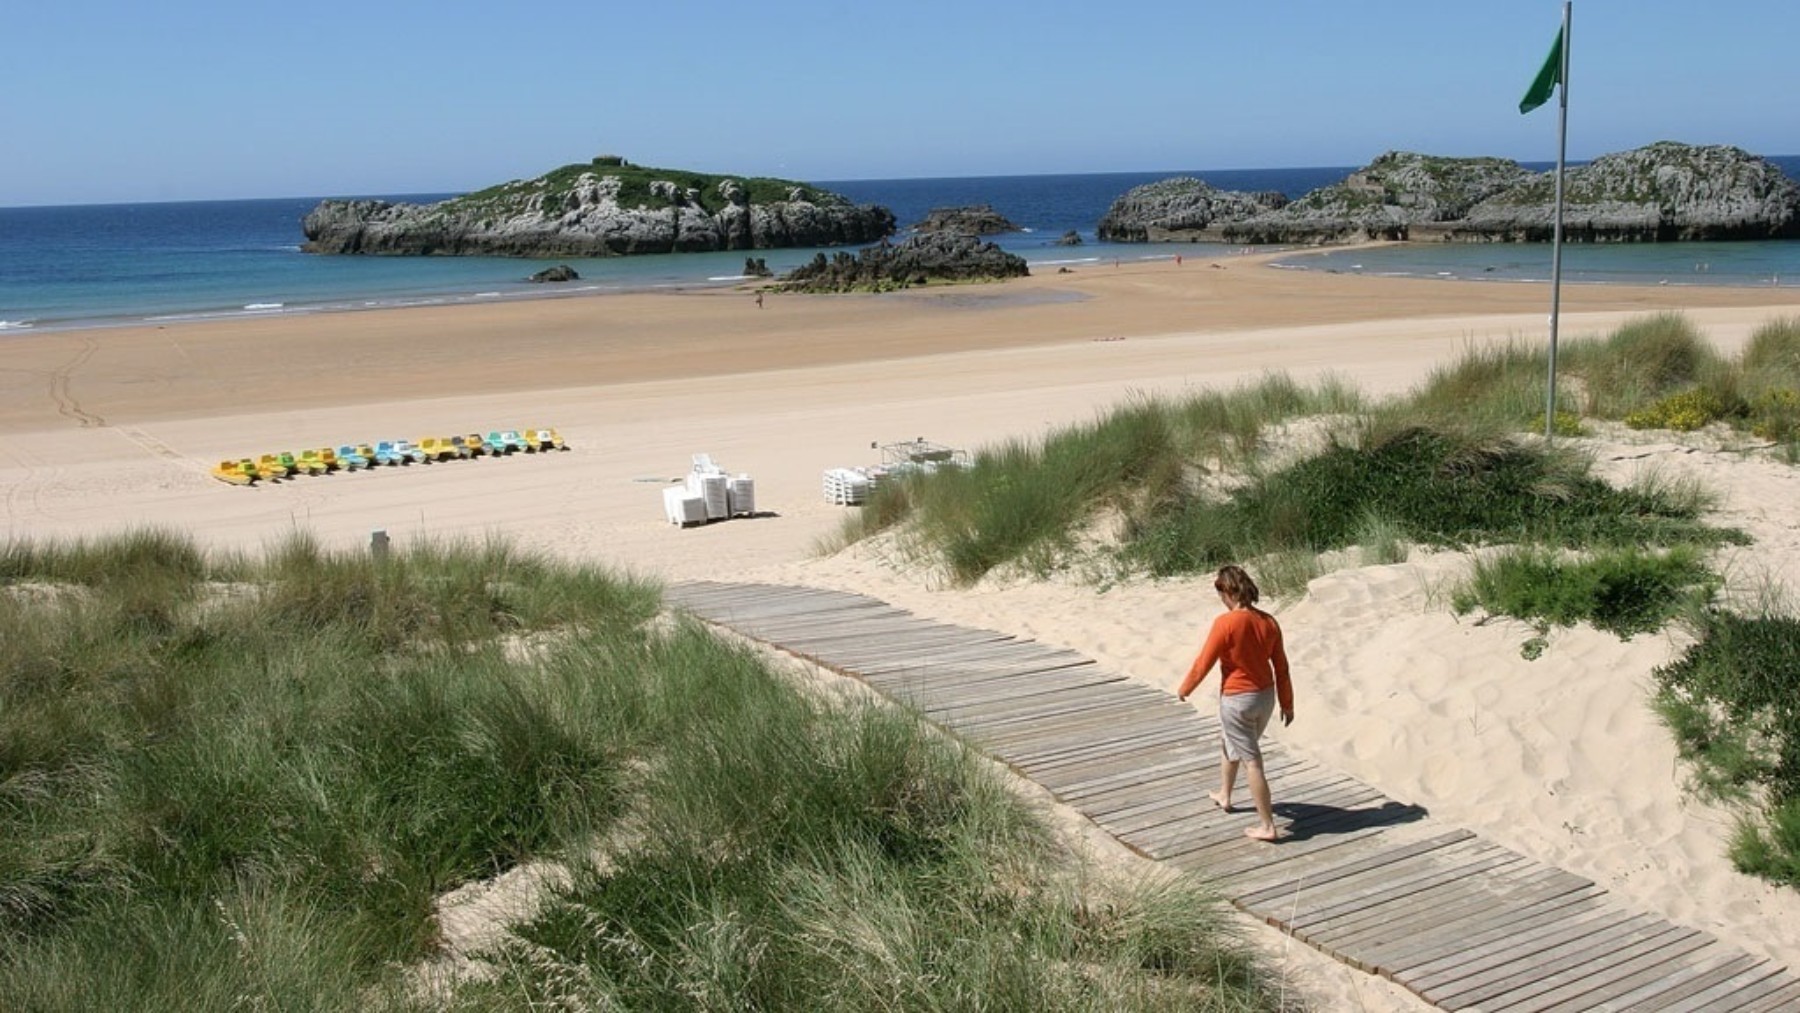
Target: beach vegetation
point(243, 781)
point(641, 187)
point(1038, 497)
point(1624, 590)
point(1733, 702)
point(1437, 487)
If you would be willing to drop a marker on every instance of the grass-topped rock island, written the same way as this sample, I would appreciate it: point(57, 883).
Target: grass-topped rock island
point(604, 208)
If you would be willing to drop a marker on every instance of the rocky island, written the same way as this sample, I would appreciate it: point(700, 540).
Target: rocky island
point(972, 220)
point(1659, 193)
point(608, 207)
point(917, 260)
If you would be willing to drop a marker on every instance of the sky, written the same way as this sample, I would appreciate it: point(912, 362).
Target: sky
point(107, 101)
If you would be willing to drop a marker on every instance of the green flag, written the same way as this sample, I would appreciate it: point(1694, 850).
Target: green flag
point(1547, 79)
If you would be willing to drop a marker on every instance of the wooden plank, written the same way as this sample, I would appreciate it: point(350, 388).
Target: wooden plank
point(1384, 857)
point(1519, 884)
point(1141, 744)
point(1434, 883)
point(1478, 937)
point(1344, 897)
point(1624, 974)
point(945, 696)
point(1074, 708)
point(1269, 867)
point(1749, 984)
point(893, 647)
point(886, 643)
point(1143, 823)
point(1045, 749)
point(1228, 844)
point(1787, 997)
point(952, 677)
point(1137, 812)
point(1580, 933)
point(1680, 984)
point(1092, 783)
point(1531, 986)
point(1335, 807)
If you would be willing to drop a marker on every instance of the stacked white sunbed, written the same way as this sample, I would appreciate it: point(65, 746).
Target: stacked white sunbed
point(849, 486)
point(709, 494)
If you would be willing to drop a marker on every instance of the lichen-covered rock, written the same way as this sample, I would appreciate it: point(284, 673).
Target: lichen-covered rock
point(918, 260)
point(1174, 210)
point(601, 210)
point(1665, 191)
point(972, 220)
point(1659, 193)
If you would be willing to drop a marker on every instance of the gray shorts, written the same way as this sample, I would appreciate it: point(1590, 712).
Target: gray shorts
point(1242, 718)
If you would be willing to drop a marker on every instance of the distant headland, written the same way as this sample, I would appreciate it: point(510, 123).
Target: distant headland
point(606, 207)
point(1659, 193)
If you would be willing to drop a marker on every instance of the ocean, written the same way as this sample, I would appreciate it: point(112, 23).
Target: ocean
point(99, 265)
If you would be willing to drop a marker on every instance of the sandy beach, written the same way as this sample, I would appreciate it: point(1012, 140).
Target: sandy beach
point(1559, 758)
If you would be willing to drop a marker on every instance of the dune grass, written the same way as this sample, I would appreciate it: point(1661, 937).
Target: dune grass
point(244, 782)
point(1028, 502)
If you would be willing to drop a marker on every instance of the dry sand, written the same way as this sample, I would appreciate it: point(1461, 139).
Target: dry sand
point(1559, 758)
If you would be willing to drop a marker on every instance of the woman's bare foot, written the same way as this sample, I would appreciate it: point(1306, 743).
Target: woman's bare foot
point(1224, 804)
point(1262, 834)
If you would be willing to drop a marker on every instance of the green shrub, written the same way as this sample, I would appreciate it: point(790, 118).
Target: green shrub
point(1775, 415)
point(1733, 702)
point(1683, 412)
point(1624, 591)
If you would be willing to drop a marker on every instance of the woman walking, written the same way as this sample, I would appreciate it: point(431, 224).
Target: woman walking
point(1245, 642)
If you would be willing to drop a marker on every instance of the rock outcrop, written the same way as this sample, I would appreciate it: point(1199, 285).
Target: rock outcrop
point(1174, 210)
point(597, 210)
point(973, 220)
point(561, 272)
point(918, 260)
point(1662, 192)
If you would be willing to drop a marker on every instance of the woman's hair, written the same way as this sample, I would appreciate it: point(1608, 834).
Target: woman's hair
point(1235, 584)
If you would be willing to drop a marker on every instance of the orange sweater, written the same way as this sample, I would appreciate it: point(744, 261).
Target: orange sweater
point(1246, 645)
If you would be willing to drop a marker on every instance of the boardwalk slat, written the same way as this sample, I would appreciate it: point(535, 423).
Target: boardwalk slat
point(1477, 936)
point(1737, 990)
point(1505, 956)
point(1546, 983)
point(1455, 915)
point(1680, 983)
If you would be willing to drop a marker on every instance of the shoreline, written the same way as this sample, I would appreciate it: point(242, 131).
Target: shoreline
point(1286, 258)
point(573, 339)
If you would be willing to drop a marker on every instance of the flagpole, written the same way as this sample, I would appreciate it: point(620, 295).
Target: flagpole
point(1556, 236)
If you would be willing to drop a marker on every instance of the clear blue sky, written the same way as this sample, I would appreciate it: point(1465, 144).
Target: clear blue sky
point(109, 100)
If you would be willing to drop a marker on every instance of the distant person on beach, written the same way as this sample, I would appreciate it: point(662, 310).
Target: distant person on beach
point(759, 300)
point(1245, 642)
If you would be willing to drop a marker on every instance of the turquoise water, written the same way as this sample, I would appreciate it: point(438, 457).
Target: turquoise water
point(1736, 264)
point(131, 263)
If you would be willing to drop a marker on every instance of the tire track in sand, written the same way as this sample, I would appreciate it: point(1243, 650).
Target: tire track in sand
point(60, 388)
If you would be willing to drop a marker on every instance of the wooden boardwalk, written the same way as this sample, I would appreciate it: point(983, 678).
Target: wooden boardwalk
point(1463, 923)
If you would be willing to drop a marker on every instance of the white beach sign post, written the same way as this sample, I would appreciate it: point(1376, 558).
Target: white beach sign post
point(1554, 72)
